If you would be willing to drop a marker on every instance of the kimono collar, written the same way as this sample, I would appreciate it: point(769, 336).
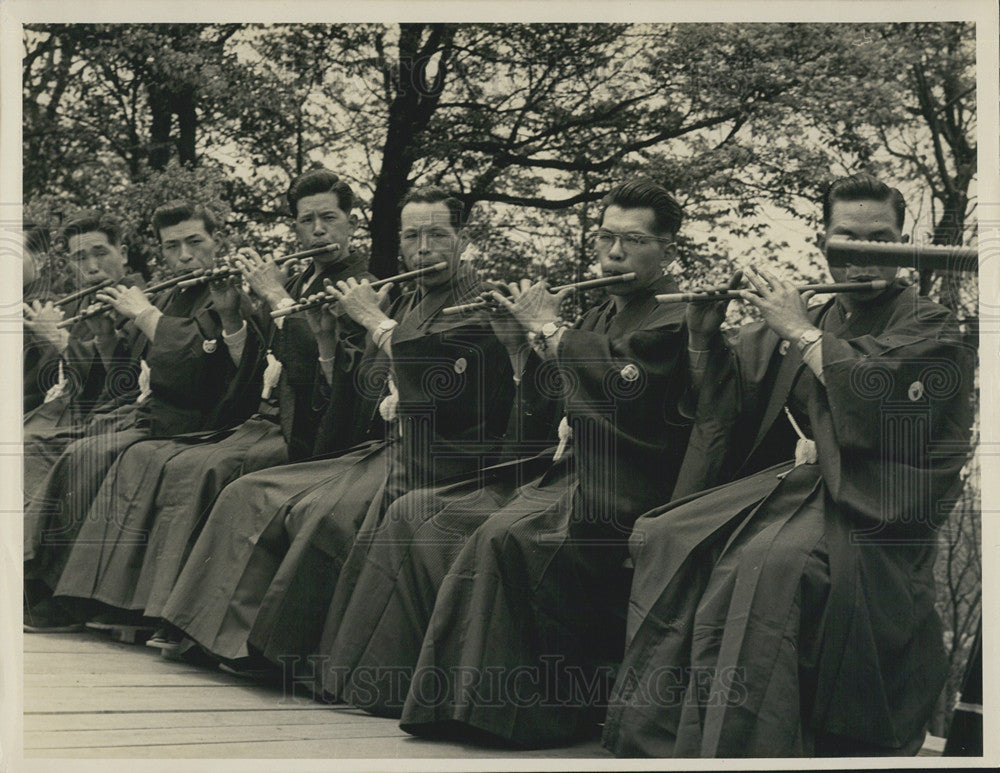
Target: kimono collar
point(638, 307)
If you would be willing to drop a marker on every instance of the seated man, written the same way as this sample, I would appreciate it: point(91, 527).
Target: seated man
point(272, 547)
point(791, 612)
point(165, 488)
point(89, 370)
point(525, 624)
point(201, 372)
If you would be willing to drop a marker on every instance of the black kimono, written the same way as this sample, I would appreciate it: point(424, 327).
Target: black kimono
point(281, 536)
point(529, 620)
point(791, 612)
point(165, 488)
point(194, 385)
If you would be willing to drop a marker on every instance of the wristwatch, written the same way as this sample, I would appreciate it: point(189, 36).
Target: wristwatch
point(809, 337)
point(541, 341)
point(382, 331)
point(549, 329)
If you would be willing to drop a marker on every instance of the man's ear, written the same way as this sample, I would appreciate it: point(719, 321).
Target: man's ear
point(123, 251)
point(669, 255)
point(220, 242)
point(353, 220)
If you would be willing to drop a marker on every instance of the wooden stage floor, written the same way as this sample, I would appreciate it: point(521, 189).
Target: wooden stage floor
point(87, 696)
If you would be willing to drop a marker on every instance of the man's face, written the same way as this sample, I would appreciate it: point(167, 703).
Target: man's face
point(426, 237)
point(187, 246)
point(864, 220)
point(320, 222)
point(627, 242)
point(93, 259)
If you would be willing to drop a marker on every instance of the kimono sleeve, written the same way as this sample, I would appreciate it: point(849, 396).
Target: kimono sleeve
point(893, 422)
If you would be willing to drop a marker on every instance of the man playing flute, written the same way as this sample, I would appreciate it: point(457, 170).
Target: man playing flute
point(166, 487)
point(513, 639)
point(199, 371)
point(791, 612)
point(451, 388)
point(94, 355)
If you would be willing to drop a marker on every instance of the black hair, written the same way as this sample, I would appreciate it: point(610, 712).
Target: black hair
point(315, 181)
point(645, 194)
point(90, 222)
point(37, 237)
point(432, 194)
point(174, 212)
point(862, 187)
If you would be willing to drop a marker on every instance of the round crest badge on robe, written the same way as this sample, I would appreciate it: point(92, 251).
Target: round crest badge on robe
point(460, 365)
point(209, 345)
point(630, 373)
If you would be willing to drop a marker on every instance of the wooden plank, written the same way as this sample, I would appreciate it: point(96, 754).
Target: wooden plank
point(97, 663)
point(933, 746)
point(356, 727)
point(146, 720)
point(89, 697)
point(71, 680)
point(340, 748)
point(208, 698)
point(75, 643)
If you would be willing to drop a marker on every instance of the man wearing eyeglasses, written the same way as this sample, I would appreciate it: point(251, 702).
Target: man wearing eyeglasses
point(522, 572)
point(784, 608)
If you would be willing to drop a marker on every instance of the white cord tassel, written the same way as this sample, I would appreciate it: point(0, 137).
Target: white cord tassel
point(805, 449)
point(144, 388)
point(387, 408)
point(56, 390)
point(565, 435)
point(271, 375)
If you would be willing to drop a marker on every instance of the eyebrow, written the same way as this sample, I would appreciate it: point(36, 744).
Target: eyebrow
point(323, 213)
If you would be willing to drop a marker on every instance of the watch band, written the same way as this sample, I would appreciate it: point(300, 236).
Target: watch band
point(808, 338)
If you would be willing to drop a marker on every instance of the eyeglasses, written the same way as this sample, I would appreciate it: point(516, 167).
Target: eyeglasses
point(633, 240)
point(435, 236)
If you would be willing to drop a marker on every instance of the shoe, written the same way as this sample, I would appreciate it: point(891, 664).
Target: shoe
point(104, 621)
point(53, 616)
point(254, 667)
point(187, 651)
point(166, 635)
point(126, 626)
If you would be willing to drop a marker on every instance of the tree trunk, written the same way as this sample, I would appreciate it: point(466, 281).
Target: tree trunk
point(413, 104)
point(187, 125)
point(161, 118)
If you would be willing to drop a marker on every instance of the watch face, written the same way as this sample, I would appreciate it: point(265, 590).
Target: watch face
point(809, 337)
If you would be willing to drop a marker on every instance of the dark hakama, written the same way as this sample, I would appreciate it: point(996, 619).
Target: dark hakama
point(455, 390)
point(245, 538)
point(131, 520)
point(154, 499)
point(795, 615)
point(280, 590)
point(528, 622)
point(185, 352)
point(383, 599)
